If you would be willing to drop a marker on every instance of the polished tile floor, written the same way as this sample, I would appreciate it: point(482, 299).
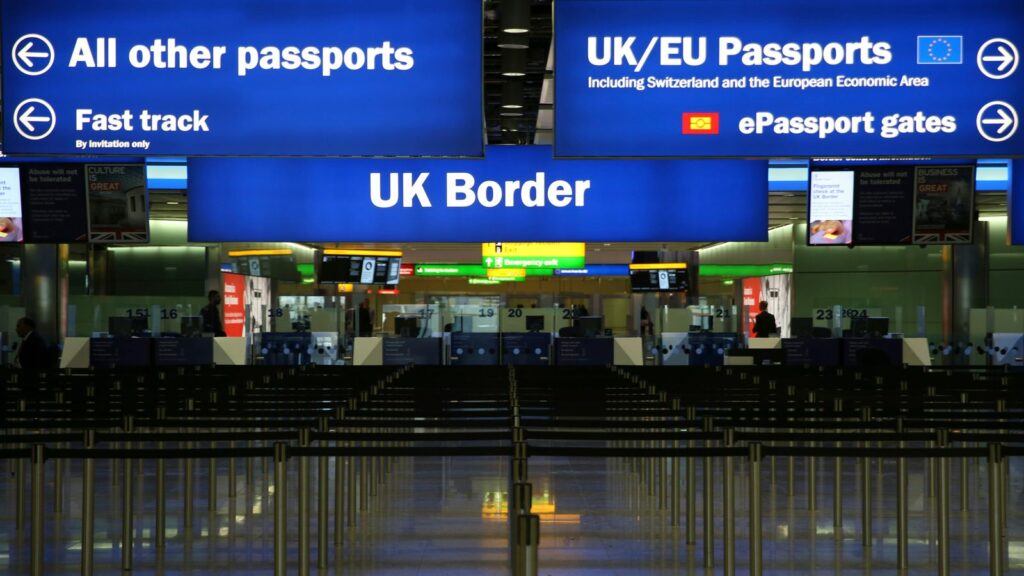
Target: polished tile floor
point(441, 516)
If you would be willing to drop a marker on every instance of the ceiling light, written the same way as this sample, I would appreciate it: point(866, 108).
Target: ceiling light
point(515, 16)
point(509, 125)
point(510, 113)
point(513, 41)
point(512, 94)
point(513, 63)
point(173, 203)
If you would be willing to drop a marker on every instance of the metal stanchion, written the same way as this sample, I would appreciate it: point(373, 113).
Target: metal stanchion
point(691, 499)
point(729, 503)
point(527, 544)
point(19, 495)
point(127, 506)
point(519, 505)
point(303, 505)
point(58, 486)
point(88, 505)
point(280, 509)
point(755, 509)
point(676, 470)
point(38, 482)
point(964, 485)
point(189, 495)
point(865, 478)
point(322, 496)
point(232, 470)
point(709, 506)
point(364, 484)
point(943, 506)
point(837, 498)
point(350, 491)
point(901, 512)
point(161, 503)
point(995, 511)
point(211, 489)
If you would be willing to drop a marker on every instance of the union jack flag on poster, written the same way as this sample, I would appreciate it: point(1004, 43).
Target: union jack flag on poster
point(943, 204)
point(118, 203)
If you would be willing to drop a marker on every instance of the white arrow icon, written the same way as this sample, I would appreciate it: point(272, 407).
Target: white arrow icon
point(26, 119)
point(26, 52)
point(1008, 58)
point(1005, 58)
point(27, 55)
point(1006, 123)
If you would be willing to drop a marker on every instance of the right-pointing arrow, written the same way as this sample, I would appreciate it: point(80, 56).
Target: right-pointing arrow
point(1004, 58)
point(26, 55)
point(27, 119)
point(1004, 120)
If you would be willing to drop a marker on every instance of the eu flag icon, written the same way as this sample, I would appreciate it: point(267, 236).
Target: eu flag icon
point(940, 49)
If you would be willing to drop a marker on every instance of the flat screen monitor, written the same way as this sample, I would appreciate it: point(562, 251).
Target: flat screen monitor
point(127, 325)
point(191, 326)
point(534, 323)
point(590, 326)
point(877, 326)
point(385, 270)
point(802, 327)
point(278, 267)
point(830, 208)
point(659, 280)
point(407, 326)
point(859, 326)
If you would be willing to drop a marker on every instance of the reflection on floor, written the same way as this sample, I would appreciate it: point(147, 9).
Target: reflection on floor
point(448, 516)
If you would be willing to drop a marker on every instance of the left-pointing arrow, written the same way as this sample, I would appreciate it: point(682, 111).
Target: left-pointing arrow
point(26, 55)
point(27, 119)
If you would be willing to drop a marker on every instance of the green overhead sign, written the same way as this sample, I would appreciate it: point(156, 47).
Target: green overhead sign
point(530, 262)
point(744, 270)
point(450, 270)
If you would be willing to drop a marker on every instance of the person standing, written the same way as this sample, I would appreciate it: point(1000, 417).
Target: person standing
point(211, 314)
point(764, 322)
point(31, 355)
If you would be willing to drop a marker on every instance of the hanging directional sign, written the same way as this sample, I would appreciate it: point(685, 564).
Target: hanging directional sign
point(534, 254)
point(788, 78)
point(242, 78)
point(516, 193)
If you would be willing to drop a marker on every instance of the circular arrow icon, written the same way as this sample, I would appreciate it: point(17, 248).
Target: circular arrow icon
point(997, 121)
point(998, 58)
point(34, 119)
point(32, 54)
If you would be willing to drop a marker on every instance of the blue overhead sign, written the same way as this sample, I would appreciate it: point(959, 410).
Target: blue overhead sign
point(595, 270)
point(788, 78)
point(517, 193)
point(243, 77)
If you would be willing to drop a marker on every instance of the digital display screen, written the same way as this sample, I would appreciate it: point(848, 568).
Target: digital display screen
point(277, 267)
point(10, 206)
point(830, 208)
point(660, 280)
point(360, 269)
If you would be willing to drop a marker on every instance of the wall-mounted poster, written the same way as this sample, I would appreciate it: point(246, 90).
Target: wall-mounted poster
point(55, 203)
point(118, 203)
point(943, 204)
point(10, 206)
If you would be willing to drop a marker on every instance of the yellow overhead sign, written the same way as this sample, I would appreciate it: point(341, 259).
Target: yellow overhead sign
point(506, 273)
point(534, 249)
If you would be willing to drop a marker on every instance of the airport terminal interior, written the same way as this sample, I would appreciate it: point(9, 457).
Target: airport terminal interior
point(341, 288)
